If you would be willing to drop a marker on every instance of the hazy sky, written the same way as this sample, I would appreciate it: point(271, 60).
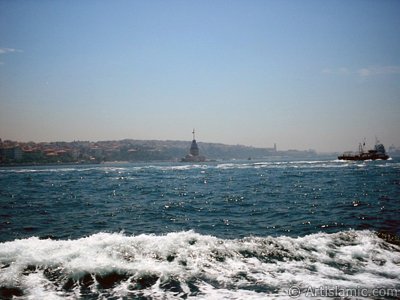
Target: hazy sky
point(302, 74)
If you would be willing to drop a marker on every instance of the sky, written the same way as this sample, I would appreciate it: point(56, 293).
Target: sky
point(319, 75)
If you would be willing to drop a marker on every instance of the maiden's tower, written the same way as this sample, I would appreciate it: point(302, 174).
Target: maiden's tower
point(194, 153)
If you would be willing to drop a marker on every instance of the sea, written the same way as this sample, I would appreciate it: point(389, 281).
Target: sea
point(253, 229)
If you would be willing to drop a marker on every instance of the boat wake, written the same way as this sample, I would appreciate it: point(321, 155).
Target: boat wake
point(188, 264)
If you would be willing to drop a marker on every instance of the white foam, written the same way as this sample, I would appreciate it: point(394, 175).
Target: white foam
point(262, 164)
point(250, 267)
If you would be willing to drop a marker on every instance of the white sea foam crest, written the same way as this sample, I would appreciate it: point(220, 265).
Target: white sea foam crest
point(336, 163)
point(187, 264)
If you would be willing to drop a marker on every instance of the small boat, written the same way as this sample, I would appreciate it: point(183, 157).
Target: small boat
point(377, 153)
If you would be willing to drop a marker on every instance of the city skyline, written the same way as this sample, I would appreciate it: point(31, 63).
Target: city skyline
point(306, 75)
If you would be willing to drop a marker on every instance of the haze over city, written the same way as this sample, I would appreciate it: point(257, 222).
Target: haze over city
point(301, 74)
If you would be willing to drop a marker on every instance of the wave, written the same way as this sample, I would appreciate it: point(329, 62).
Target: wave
point(287, 164)
point(335, 163)
point(52, 169)
point(188, 264)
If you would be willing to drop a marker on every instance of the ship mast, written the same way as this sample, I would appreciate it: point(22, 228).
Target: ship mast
point(361, 146)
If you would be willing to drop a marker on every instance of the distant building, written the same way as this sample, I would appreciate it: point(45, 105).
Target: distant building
point(11, 153)
point(194, 153)
point(394, 151)
point(32, 154)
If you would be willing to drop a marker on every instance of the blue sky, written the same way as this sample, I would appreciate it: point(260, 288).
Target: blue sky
point(302, 74)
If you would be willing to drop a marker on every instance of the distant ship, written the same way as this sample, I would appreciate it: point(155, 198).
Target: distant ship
point(377, 153)
point(194, 153)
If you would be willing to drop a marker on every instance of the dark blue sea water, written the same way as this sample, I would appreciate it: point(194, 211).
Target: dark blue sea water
point(233, 230)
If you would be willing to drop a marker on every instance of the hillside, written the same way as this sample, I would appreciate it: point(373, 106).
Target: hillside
point(12, 152)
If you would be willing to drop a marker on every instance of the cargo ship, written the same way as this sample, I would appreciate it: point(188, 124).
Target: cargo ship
point(378, 152)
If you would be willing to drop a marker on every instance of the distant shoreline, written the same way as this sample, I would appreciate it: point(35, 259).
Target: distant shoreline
point(14, 153)
point(8, 165)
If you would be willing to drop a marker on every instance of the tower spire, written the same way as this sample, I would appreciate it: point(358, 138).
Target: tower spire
point(193, 134)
